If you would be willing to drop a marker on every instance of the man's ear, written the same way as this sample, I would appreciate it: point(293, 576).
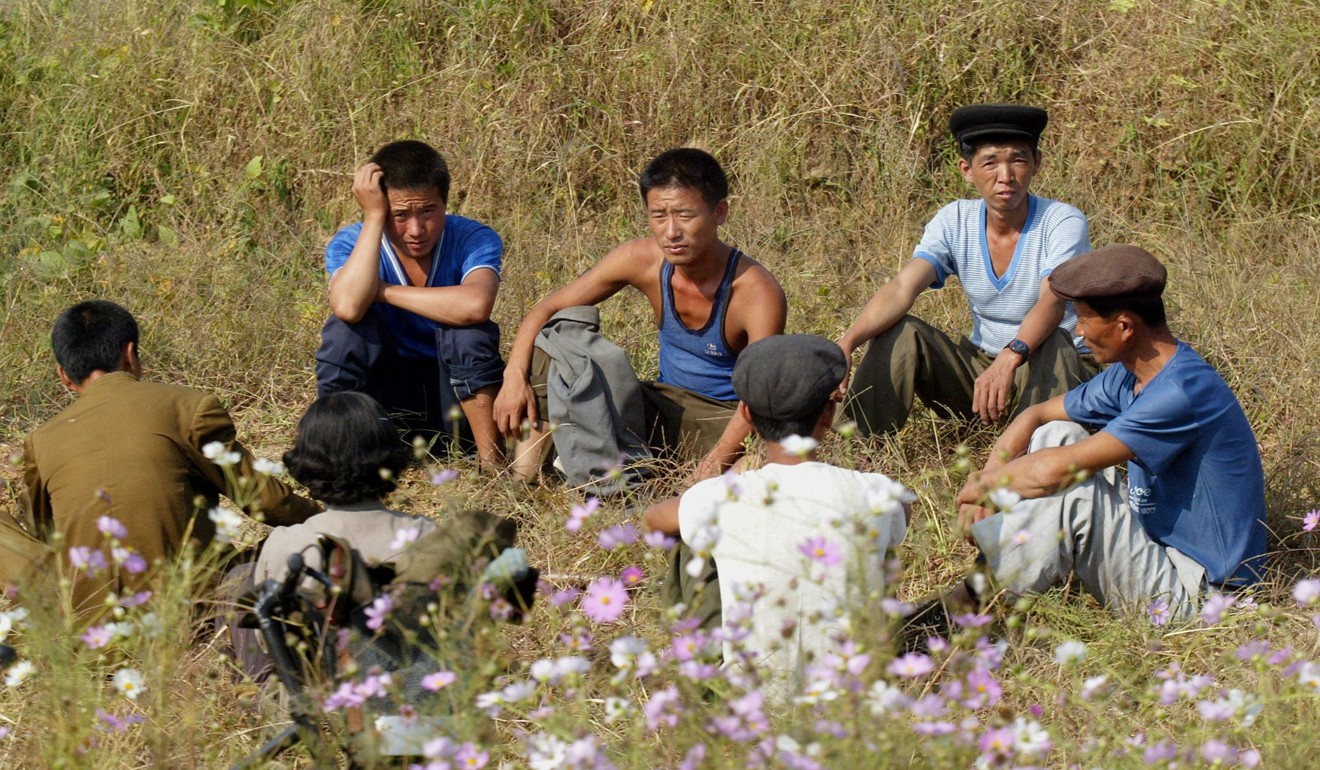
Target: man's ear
point(721, 211)
point(129, 360)
point(64, 379)
point(826, 421)
point(744, 412)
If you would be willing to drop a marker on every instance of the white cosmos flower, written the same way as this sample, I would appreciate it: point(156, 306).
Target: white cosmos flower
point(405, 536)
point(1069, 652)
point(128, 681)
point(798, 446)
point(267, 467)
point(1003, 498)
point(227, 523)
point(19, 673)
point(219, 454)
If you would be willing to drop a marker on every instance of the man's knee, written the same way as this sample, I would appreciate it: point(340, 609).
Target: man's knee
point(348, 352)
point(1056, 434)
point(471, 356)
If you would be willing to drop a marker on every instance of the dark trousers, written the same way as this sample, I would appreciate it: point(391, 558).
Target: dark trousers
point(422, 395)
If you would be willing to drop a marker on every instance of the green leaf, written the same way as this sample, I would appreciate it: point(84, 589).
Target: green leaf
point(167, 236)
point(131, 225)
point(253, 168)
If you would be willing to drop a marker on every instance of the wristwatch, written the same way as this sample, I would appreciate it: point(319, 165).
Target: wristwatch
point(1019, 347)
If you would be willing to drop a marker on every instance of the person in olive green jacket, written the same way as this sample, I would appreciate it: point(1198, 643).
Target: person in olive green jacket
point(134, 465)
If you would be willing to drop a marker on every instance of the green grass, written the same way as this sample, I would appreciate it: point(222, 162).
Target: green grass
point(189, 159)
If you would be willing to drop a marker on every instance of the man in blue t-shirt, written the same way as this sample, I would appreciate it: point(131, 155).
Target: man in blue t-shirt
point(1002, 246)
point(411, 292)
point(1191, 516)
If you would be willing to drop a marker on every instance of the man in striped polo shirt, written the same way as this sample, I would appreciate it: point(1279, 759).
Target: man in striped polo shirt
point(1002, 247)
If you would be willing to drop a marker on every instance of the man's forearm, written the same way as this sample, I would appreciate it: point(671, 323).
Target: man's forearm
point(452, 305)
point(354, 286)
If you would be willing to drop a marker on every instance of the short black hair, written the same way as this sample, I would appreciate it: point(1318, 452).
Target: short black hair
point(91, 336)
point(770, 429)
point(412, 165)
point(686, 167)
point(1149, 309)
point(347, 450)
point(967, 147)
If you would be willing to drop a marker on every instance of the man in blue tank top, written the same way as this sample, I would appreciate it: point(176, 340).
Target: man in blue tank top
point(1002, 246)
point(710, 301)
point(411, 292)
point(1190, 518)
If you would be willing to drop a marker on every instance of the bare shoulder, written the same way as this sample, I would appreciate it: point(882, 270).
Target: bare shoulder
point(756, 282)
point(757, 305)
point(638, 259)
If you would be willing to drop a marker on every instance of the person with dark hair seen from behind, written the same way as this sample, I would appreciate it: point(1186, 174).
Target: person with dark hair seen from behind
point(142, 456)
point(349, 456)
point(411, 293)
point(710, 302)
point(1002, 246)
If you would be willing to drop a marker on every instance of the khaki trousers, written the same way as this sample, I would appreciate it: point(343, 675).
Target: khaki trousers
point(1088, 531)
point(913, 358)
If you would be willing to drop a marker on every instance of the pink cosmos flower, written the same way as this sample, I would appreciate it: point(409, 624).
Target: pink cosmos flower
point(821, 550)
point(469, 756)
point(631, 576)
point(662, 709)
point(1311, 520)
point(581, 513)
point(659, 540)
point(618, 535)
point(379, 611)
point(87, 560)
point(1158, 612)
point(443, 477)
point(1214, 608)
point(605, 600)
point(130, 560)
point(912, 665)
point(111, 527)
point(97, 637)
point(438, 680)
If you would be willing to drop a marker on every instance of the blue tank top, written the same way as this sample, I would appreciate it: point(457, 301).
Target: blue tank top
point(697, 359)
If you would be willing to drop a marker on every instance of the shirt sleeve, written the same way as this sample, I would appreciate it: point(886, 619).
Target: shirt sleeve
point(1068, 237)
point(481, 247)
point(1095, 402)
point(1157, 427)
point(935, 246)
point(339, 247)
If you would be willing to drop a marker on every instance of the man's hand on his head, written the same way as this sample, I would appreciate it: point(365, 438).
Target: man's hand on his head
point(370, 192)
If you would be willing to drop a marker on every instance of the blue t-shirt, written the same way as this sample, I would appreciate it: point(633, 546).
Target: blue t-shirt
point(954, 243)
point(465, 245)
point(1196, 481)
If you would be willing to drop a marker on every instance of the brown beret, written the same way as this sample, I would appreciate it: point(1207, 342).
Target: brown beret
point(789, 376)
point(1005, 120)
point(1112, 271)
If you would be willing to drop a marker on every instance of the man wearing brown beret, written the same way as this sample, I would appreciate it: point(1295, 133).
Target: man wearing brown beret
point(1002, 246)
point(1190, 518)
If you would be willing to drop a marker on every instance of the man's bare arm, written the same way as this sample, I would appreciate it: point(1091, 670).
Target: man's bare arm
point(662, 517)
point(991, 392)
point(468, 303)
point(354, 287)
point(516, 400)
point(889, 304)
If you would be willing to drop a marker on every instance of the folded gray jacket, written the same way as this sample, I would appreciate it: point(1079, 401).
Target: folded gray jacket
point(595, 401)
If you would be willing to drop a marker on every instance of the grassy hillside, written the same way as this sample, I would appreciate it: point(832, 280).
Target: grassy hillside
point(189, 159)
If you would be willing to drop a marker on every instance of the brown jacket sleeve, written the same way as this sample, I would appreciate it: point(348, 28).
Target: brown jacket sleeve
point(251, 491)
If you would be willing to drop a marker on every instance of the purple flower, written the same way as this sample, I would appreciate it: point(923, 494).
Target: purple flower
point(617, 535)
point(438, 680)
point(562, 597)
point(469, 756)
point(693, 759)
point(605, 600)
point(114, 724)
point(631, 576)
point(379, 611)
point(821, 550)
point(581, 513)
point(1158, 612)
point(996, 744)
point(87, 560)
point(912, 665)
point(97, 637)
point(130, 560)
point(971, 619)
point(1214, 608)
point(1164, 751)
point(1311, 520)
point(1306, 592)
point(111, 527)
point(1216, 751)
point(982, 689)
point(662, 709)
point(659, 540)
point(136, 600)
point(443, 477)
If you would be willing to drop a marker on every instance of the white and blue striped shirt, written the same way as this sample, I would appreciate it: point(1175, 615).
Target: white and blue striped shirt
point(954, 243)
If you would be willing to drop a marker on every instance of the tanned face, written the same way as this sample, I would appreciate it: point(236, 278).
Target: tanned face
point(683, 224)
point(415, 222)
point(1002, 172)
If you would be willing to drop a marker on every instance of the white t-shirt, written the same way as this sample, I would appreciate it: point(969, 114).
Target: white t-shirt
point(761, 522)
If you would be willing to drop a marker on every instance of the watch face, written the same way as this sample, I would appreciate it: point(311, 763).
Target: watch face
point(1019, 347)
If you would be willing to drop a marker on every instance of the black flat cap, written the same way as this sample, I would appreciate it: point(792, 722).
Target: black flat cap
point(1112, 271)
point(1008, 120)
point(789, 376)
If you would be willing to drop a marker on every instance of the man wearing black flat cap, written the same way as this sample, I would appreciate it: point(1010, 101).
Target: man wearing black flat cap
point(1003, 247)
point(1190, 518)
point(798, 543)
